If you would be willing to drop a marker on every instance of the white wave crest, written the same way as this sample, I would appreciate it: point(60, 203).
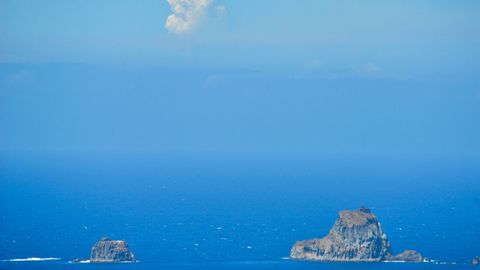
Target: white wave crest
point(32, 259)
point(79, 261)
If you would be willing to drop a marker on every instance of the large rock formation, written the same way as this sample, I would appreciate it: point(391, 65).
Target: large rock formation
point(111, 251)
point(356, 236)
point(476, 260)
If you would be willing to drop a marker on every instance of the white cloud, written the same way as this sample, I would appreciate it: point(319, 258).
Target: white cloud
point(186, 14)
point(367, 70)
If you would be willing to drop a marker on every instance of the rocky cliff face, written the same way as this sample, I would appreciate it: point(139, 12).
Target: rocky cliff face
point(356, 236)
point(107, 250)
point(476, 260)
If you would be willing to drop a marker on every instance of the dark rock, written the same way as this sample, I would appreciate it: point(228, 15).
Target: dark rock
point(409, 256)
point(356, 236)
point(111, 251)
point(476, 260)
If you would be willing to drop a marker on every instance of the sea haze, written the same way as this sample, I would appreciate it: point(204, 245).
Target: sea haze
point(175, 209)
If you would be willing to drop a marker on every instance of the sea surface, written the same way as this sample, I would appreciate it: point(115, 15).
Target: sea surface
point(260, 265)
point(230, 211)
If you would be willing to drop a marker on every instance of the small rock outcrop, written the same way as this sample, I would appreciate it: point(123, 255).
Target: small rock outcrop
point(476, 261)
point(409, 256)
point(356, 236)
point(111, 251)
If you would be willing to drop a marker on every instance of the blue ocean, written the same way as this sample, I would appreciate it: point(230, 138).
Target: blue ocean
point(218, 211)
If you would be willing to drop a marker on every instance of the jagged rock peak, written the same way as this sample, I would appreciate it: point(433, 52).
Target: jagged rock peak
point(107, 250)
point(360, 217)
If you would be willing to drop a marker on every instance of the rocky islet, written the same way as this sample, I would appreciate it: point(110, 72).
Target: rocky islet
point(356, 236)
point(111, 251)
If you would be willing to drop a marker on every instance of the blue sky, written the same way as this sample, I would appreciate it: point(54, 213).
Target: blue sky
point(382, 77)
point(397, 35)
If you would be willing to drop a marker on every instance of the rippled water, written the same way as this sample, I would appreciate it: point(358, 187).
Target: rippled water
point(230, 213)
point(257, 265)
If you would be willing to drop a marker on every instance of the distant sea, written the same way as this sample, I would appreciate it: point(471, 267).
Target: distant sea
point(256, 265)
point(230, 211)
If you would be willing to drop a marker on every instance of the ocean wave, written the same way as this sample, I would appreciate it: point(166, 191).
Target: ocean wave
point(88, 261)
point(79, 261)
point(32, 259)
